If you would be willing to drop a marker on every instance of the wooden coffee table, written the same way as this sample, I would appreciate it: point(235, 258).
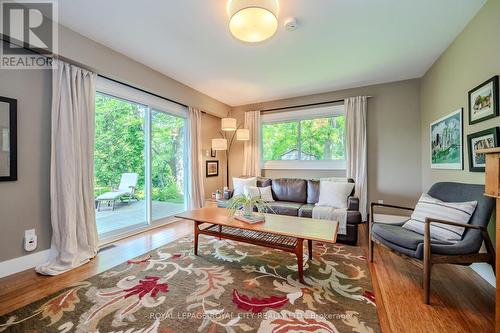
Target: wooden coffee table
point(286, 233)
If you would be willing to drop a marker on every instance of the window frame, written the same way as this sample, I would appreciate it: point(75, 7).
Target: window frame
point(297, 116)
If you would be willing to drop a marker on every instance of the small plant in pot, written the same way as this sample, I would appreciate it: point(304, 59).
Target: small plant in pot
point(245, 203)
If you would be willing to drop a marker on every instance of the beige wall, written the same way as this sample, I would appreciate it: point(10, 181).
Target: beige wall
point(473, 58)
point(25, 203)
point(470, 60)
point(210, 128)
point(393, 139)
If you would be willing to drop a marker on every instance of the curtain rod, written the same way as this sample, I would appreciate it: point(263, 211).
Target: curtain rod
point(304, 105)
point(10, 40)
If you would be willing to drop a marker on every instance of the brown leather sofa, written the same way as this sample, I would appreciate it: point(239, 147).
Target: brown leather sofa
point(296, 197)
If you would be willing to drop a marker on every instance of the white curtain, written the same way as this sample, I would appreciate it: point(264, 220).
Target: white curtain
point(355, 108)
point(251, 163)
point(196, 189)
point(74, 233)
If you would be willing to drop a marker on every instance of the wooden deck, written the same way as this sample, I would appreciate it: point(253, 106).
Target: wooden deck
point(126, 215)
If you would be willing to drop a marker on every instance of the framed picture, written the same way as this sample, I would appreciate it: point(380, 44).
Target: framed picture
point(212, 168)
point(447, 142)
point(483, 101)
point(481, 140)
point(213, 153)
point(8, 139)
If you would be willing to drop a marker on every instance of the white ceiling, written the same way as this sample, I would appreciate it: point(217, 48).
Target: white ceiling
point(339, 43)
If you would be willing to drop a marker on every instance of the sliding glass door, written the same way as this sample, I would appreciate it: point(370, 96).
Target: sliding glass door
point(139, 164)
point(167, 164)
point(119, 164)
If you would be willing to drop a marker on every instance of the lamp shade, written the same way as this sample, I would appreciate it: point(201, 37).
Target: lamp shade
point(228, 124)
point(243, 134)
point(253, 21)
point(219, 144)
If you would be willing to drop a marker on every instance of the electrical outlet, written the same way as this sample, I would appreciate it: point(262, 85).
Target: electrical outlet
point(380, 201)
point(29, 233)
point(30, 240)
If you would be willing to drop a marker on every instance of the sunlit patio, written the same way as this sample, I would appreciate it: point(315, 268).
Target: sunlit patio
point(126, 214)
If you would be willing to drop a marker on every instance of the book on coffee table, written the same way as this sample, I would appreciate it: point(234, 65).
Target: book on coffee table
point(250, 220)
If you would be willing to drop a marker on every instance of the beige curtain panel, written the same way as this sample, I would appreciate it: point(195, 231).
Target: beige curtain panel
point(251, 163)
point(356, 149)
point(196, 177)
point(74, 233)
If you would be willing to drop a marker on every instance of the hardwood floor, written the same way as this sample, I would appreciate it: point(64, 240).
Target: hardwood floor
point(460, 300)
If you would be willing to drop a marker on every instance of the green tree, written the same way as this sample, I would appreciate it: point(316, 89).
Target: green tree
point(120, 148)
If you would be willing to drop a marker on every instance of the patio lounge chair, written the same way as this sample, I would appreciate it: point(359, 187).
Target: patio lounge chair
point(126, 189)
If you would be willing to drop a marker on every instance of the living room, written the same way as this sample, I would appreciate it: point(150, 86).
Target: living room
point(345, 133)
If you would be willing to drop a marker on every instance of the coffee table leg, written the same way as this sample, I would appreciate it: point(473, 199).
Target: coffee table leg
point(310, 248)
point(299, 251)
point(196, 233)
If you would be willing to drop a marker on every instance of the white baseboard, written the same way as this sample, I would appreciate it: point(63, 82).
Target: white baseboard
point(485, 271)
point(19, 264)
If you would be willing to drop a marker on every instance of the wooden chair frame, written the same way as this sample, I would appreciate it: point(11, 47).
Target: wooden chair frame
point(430, 259)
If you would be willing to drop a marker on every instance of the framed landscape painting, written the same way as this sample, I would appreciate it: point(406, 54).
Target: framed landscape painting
point(212, 168)
point(483, 101)
point(447, 142)
point(481, 140)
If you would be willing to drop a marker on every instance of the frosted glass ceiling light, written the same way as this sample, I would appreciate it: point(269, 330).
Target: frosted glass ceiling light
point(253, 21)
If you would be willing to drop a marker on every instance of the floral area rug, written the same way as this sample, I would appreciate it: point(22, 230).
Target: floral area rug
point(228, 287)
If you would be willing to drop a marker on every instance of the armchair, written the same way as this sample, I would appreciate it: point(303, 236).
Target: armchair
point(422, 250)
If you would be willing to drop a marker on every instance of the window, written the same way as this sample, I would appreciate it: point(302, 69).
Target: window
point(139, 159)
point(307, 139)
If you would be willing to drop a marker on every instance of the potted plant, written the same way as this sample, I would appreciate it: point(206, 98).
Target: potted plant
point(245, 203)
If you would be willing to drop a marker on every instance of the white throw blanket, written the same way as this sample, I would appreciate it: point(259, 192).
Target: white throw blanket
point(333, 214)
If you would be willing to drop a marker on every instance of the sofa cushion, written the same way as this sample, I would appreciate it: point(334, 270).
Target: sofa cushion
point(285, 208)
point(289, 189)
point(306, 210)
point(263, 182)
point(312, 191)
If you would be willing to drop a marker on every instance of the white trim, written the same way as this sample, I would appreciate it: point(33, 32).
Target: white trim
point(319, 112)
point(485, 271)
point(304, 165)
point(19, 264)
point(130, 94)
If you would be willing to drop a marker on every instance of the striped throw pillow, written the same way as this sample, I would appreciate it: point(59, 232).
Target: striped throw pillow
point(428, 206)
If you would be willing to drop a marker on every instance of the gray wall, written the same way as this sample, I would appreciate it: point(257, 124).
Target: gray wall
point(25, 204)
point(394, 173)
point(470, 60)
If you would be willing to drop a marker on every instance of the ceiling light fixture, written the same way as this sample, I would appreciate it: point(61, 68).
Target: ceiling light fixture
point(253, 21)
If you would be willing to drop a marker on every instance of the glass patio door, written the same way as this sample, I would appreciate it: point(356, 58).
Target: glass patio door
point(167, 164)
point(140, 159)
point(119, 165)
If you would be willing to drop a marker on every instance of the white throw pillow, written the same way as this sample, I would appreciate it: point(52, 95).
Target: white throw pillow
point(428, 206)
point(251, 191)
point(334, 194)
point(240, 183)
point(266, 194)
